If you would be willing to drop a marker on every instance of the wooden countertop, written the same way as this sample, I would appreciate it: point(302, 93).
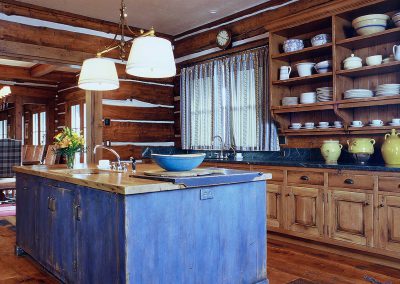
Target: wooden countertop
point(117, 182)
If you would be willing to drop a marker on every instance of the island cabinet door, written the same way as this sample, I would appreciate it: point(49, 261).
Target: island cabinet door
point(274, 208)
point(351, 217)
point(56, 229)
point(27, 188)
point(389, 222)
point(305, 210)
point(100, 237)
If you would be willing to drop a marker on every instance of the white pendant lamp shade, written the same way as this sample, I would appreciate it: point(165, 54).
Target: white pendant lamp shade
point(98, 74)
point(151, 57)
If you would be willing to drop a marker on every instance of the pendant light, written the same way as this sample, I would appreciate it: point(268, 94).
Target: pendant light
point(150, 57)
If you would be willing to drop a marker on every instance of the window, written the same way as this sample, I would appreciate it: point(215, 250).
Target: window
point(78, 124)
point(3, 129)
point(39, 133)
point(227, 97)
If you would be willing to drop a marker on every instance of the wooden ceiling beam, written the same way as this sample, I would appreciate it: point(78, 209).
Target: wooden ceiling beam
point(10, 7)
point(39, 70)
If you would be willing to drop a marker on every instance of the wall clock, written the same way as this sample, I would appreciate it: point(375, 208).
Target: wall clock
point(224, 38)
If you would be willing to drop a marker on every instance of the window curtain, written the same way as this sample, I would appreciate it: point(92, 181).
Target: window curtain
point(228, 97)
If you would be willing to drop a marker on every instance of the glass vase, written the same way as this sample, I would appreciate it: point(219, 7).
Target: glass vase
point(70, 160)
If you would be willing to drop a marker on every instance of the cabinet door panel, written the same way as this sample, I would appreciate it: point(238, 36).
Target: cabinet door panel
point(274, 209)
point(351, 217)
point(389, 223)
point(305, 210)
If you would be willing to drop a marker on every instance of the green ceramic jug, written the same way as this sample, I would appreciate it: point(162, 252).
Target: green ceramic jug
point(361, 145)
point(331, 151)
point(391, 148)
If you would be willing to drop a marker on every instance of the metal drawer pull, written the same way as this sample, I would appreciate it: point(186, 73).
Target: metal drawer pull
point(306, 178)
point(51, 203)
point(382, 205)
point(349, 181)
point(78, 212)
point(366, 203)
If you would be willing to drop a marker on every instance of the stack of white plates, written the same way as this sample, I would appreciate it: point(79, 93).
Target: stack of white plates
point(358, 93)
point(290, 101)
point(308, 98)
point(325, 94)
point(388, 90)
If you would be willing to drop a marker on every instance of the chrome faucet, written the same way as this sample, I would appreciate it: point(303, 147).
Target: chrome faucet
point(222, 145)
point(112, 151)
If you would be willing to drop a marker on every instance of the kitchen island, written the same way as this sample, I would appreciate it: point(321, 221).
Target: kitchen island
point(91, 226)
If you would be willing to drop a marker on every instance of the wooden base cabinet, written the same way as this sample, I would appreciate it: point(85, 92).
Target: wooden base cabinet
point(305, 210)
point(351, 217)
point(274, 205)
point(389, 222)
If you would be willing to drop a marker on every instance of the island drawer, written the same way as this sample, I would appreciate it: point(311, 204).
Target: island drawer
point(350, 181)
point(277, 175)
point(305, 177)
point(389, 184)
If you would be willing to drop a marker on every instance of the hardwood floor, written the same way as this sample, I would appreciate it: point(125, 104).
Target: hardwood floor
point(287, 263)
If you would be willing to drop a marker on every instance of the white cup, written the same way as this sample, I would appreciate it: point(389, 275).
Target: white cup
point(284, 73)
point(396, 120)
point(309, 124)
point(105, 164)
point(305, 68)
point(296, 125)
point(374, 60)
point(357, 123)
point(323, 124)
point(337, 123)
point(239, 156)
point(377, 122)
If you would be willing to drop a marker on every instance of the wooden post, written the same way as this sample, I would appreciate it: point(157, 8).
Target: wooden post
point(94, 124)
point(50, 117)
point(18, 118)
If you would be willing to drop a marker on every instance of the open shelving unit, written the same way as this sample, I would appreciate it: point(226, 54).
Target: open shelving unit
point(344, 42)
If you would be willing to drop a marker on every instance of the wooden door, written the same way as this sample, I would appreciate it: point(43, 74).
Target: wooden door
point(274, 207)
point(389, 222)
point(305, 210)
point(351, 217)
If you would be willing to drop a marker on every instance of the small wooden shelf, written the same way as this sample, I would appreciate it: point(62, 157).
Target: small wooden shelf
point(372, 129)
point(308, 52)
point(358, 42)
point(303, 107)
point(316, 131)
point(304, 80)
point(366, 102)
point(371, 70)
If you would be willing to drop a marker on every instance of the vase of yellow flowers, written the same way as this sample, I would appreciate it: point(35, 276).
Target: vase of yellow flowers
point(68, 143)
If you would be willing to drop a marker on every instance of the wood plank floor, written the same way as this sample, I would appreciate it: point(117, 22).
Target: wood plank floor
point(287, 263)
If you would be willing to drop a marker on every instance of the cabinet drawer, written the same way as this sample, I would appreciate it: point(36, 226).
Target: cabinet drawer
point(389, 184)
point(296, 177)
point(351, 181)
point(277, 175)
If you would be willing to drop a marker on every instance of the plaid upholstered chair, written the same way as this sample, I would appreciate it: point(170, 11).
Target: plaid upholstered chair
point(10, 155)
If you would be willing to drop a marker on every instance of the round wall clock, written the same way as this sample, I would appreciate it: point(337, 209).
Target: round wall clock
point(224, 38)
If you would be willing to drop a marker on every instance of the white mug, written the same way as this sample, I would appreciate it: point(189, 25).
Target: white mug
point(309, 124)
point(296, 125)
point(239, 156)
point(396, 120)
point(285, 72)
point(324, 124)
point(337, 123)
point(396, 52)
point(357, 123)
point(377, 122)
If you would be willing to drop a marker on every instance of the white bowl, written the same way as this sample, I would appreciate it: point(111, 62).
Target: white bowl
point(374, 60)
point(370, 24)
point(305, 68)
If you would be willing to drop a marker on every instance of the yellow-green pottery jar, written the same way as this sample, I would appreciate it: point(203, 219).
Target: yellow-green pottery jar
point(331, 150)
point(361, 145)
point(391, 149)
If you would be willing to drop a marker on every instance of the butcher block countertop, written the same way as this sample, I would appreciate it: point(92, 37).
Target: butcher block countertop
point(111, 181)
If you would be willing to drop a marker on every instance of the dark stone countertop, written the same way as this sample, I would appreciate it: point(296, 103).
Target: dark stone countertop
point(310, 164)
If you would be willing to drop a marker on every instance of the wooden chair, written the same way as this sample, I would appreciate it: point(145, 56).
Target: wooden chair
point(29, 154)
point(39, 151)
point(51, 155)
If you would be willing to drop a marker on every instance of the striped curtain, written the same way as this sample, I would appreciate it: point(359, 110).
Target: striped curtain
point(228, 97)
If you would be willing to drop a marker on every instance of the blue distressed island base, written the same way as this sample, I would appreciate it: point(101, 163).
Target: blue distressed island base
point(82, 234)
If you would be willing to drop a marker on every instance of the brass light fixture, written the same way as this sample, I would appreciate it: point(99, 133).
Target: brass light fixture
point(149, 57)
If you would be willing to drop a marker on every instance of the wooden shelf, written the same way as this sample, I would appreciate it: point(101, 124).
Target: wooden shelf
point(366, 102)
point(371, 70)
point(372, 129)
point(370, 40)
point(304, 80)
point(308, 52)
point(303, 107)
point(317, 131)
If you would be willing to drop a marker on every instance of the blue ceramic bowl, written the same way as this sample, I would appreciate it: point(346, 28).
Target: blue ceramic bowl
point(179, 163)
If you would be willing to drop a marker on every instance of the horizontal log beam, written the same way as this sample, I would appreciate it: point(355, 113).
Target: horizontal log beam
point(40, 70)
point(138, 113)
point(138, 132)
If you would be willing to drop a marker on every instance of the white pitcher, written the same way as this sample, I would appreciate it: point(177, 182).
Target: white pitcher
point(285, 72)
point(396, 52)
